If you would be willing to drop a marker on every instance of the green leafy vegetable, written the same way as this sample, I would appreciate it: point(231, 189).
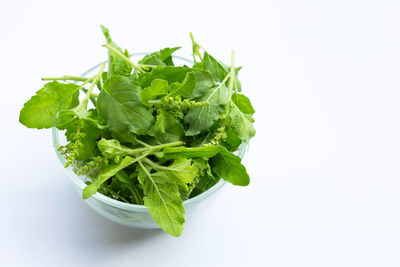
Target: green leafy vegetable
point(243, 103)
point(42, 110)
point(155, 134)
point(120, 106)
point(116, 65)
point(227, 166)
point(185, 88)
point(167, 128)
point(218, 69)
point(158, 87)
point(105, 174)
point(201, 118)
point(169, 73)
point(163, 200)
point(191, 152)
point(159, 58)
point(242, 123)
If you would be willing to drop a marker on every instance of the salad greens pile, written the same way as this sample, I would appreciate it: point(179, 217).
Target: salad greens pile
point(154, 134)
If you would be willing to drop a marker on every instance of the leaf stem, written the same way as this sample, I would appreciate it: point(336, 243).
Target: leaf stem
point(89, 93)
point(132, 188)
point(124, 58)
point(158, 147)
point(231, 74)
point(153, 102)
point(136, 195)
point(118, 195)
point(143, 143)
point(156, 166)
point(154, 148)
point(195, 48)
point(147, 66)
point(66, 78)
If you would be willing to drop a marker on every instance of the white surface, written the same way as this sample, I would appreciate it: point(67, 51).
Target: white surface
point(324, 79)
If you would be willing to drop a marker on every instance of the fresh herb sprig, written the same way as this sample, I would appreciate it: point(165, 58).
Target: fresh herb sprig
point(157, 133)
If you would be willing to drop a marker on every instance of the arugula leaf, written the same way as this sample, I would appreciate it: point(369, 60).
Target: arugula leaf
point(105, 174)
point(167, 128)
point(229, 167)
point(116, 66)
point(119, 105)
point(163, 200)
point(158, 87)
point(42, 109)
point(159, 58)
point(203, 117)
point(191, 152)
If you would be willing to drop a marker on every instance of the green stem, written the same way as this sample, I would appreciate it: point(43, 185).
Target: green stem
point(195, 48)
point(236, 89)
point(136, 195)
point(154, 148)
point(143, 143)
point(147, 66)
point(87, 81)
point(101, 81)
point(156, 166)
point(153, 102)
point(65, 78)
point(158, 147)
point(124, 58)
point(118, 195)
point(89, 93)
point(131, 188)
point(231, 74)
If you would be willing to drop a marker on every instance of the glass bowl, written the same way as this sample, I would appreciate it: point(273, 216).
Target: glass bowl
point(132, 215)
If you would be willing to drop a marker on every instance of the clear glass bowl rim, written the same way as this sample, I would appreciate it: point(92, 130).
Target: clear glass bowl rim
point(119, 204)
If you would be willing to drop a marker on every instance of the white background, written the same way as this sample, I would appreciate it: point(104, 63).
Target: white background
point(323, 77)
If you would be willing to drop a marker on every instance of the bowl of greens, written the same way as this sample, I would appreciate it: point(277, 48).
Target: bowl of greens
point(148, 139)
